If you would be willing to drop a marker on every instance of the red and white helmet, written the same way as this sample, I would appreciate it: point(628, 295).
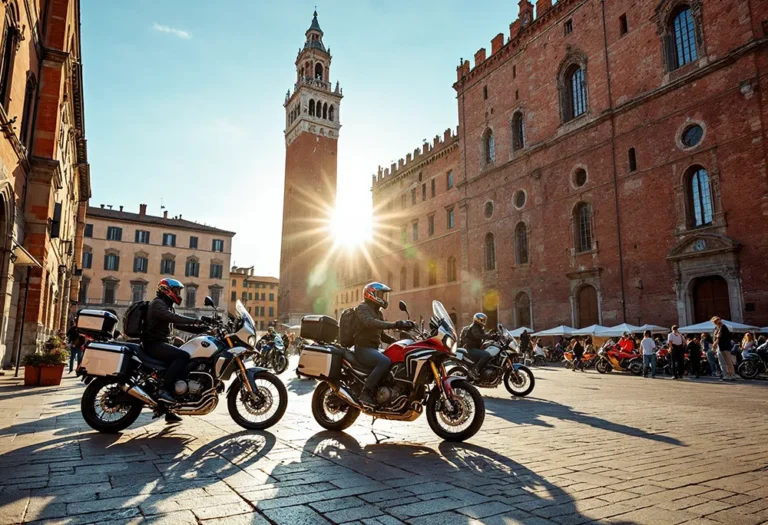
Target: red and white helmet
point(171, 288)
point(377, 293)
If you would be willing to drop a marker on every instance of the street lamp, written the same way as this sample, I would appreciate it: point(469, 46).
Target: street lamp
point(21, 257)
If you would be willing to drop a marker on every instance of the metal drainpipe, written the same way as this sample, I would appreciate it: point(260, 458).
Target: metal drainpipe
point(615, 172)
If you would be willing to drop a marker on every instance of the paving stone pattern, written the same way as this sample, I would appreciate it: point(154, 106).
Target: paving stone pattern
point(583, 448)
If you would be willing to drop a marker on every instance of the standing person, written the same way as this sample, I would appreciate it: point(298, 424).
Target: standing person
point(706, 345)
point(694, 355)
point(723, 342)
point(76, 351)
point(525, 344)
point(677, 352)
point(648, 346)
point(578, 354)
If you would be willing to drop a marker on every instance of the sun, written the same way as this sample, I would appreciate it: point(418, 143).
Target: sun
point(351, 228)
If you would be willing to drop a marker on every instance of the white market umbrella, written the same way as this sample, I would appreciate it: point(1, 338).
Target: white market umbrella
point(590, 330)
point(619, 330)
point(764, 330)
point(517, 332)
point(561, 330)
point(655, 329)
point(709, 327)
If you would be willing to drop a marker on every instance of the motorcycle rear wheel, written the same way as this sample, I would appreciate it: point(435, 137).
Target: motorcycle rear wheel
point(748, 369)
point(103, 398)
point(281, 364)
point(520, 384)
point(468, 407)
point(603, 366)
point(330, 411)
point(635, 368)
point(238, 400)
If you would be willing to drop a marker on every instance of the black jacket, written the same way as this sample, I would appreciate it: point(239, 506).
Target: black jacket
point(371, 326)
point(475, 336)
point(160, 317)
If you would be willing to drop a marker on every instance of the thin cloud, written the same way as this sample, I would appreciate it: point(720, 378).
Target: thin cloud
point(180, 33)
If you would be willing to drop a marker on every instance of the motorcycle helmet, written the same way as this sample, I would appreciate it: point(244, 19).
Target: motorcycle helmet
point(170, 288)
point(480, 319)
point(377, 293)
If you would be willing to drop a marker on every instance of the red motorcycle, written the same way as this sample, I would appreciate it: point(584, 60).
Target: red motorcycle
point(614, 358)
point(455, 408)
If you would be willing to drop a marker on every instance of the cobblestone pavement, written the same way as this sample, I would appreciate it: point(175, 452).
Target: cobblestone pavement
point(583, 448)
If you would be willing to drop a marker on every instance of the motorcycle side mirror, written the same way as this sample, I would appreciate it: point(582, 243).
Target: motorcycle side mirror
point(500, 327)
point(404, 308)
point(209, 302)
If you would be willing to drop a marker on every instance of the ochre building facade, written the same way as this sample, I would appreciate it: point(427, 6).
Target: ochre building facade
point(610, 165)
point(258, 293)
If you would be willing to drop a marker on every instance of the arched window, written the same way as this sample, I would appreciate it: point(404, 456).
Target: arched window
point(416, 275)
point(522, 310)
point(432, 273)
point(301, 73)
point(451, 269)
point(521, 243)
point(518, 132)
point(311, 108)
point(699, 197)
point(11, 35)
point(575, 100)
point(318, 71)
point(325, 111)
point(331, 112)
point(490, 252)
point(403, 279)
point(681, 38)
point(29, 108)
point(489, 146)
point(582, 220)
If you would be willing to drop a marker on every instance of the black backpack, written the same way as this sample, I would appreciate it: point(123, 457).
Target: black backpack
point(348, 327)
point(134, 319)
point(463, 336)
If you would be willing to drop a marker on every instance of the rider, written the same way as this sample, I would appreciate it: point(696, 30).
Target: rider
point(474, 340)
point(370, 334)
point(157, 332)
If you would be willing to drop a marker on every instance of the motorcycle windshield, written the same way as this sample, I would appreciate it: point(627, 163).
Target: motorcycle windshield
point(439, 311)
point(248, 323)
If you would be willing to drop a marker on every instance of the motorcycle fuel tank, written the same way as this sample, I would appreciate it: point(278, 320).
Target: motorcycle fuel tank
point(201, 347)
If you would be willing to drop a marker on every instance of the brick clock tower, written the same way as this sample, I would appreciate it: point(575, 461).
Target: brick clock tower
point(307, 276)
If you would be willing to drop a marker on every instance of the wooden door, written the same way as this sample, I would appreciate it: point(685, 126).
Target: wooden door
point(710, 298)
point(588, 312)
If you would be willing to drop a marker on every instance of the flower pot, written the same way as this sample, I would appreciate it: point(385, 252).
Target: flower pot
point(31, 375)
point(50, 375)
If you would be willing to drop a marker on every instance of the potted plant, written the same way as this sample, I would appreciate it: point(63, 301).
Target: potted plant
point(46, 367)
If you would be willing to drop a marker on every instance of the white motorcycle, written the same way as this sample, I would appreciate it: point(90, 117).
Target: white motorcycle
point(122, 379)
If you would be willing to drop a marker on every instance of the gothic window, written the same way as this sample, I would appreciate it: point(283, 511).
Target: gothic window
point(521, 243)
point(522, 310)
point(681, 41)
point(10, 40)
point(451, 269)
point(582, 220)
point(699, 197)
point(29, 108)
point(325, 111)
point(575, 96)
point(403, 279)
point(449, 180)
point(318, 71)
point(432, 273)
point(311, 108)
point(518, 131)
point(331, 112)
point(489, 146)
point(490, 252)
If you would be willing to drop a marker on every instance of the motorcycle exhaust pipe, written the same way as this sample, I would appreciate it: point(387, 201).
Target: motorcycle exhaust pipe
point(139, 394)
point(347, 396)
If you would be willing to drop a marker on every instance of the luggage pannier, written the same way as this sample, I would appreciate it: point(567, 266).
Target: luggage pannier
point(106, 359)
point(322, 362)
point(98, 324)
point(319, 328)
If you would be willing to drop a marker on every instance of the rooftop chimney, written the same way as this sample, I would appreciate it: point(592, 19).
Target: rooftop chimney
point(121, 207)
point(165, 214)
point(102, 206)
point(142, 210)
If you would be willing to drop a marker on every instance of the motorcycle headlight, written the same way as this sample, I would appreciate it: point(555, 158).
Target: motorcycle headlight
point(252, 341)
point(450, 343)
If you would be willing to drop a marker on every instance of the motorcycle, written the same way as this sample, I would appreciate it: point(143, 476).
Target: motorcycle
point(554, 354)
point(271, 354)
point(754, 363)
point(455, 409)
point(122, 379)
point(518, 379)
point(614, 358)
point(588, 360)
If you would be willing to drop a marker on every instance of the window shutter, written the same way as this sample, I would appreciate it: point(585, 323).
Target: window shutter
point(56, 222)
point(117, 262)
point(106, 262)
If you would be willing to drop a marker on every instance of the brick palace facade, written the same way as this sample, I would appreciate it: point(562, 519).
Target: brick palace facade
point(610, 165)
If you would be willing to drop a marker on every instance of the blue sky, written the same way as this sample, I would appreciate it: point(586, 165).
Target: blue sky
point(184, 99)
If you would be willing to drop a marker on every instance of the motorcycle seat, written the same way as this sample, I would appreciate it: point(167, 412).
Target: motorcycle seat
point(349, 356)
point(145, 358)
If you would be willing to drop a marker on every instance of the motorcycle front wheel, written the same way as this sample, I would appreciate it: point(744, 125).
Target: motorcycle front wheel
point(462, 418)
point(281, 363)
point(636, 368)
point(748, 369)
point(330, 411)
point(106, 408)
point(257, 412)
point(519, 382)
point(603, 366)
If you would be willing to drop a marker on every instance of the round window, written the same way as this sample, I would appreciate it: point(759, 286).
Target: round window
point(520, 198)
point(488, 210)
point(580, 177)
point(692, 135)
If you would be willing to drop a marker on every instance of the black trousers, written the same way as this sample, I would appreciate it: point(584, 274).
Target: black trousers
point(694, 358)
point(480, 357)
point(678, 360)
point(577, 362)
point(372, 357)
point(175, 358)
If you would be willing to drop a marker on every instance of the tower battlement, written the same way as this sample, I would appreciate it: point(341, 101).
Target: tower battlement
point(419, 155)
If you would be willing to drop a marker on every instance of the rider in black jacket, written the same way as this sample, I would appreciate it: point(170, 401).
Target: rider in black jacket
point(474, 341)
point(370, 334)
point(157, 333)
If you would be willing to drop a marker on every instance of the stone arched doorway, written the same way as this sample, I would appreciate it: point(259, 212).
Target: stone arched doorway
point(709, 296)
point(523, 310)
point(587, 307)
